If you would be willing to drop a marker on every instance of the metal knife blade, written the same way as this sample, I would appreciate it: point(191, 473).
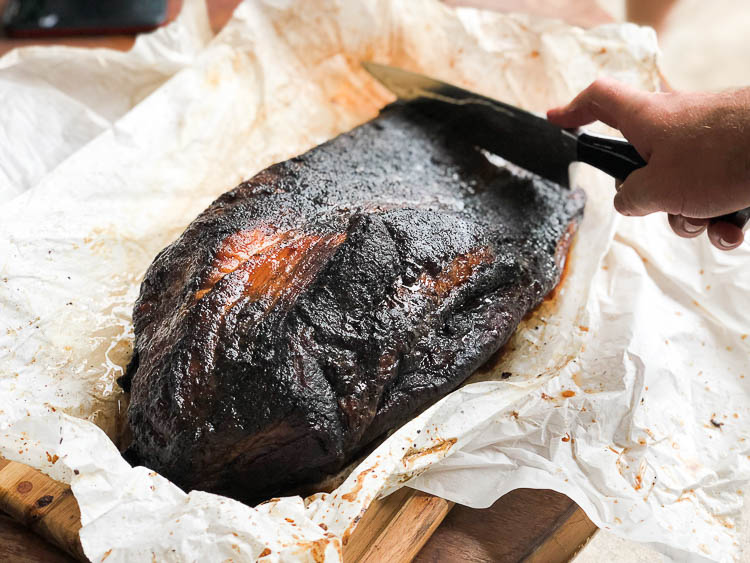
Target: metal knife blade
point(521, 137)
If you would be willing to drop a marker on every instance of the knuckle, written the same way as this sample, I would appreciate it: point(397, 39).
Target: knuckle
point(602, 88)
point(608, 87)
point(596, 89)
point(621, 204)
point(628, 202)
point(604, 84)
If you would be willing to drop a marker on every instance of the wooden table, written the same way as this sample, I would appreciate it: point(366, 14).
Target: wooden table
point(525, 525)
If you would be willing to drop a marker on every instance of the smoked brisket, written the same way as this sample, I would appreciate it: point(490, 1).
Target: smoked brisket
point(331, 298)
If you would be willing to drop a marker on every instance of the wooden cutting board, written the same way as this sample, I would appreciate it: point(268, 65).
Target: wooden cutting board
point(44, 505)
point(398, 525)
point(535, 526)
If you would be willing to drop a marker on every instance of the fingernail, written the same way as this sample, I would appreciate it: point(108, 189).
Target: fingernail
point(731, 239)
point(691, 227)
point(728, 244)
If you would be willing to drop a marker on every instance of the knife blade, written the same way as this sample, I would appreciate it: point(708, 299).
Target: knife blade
point(521, 137)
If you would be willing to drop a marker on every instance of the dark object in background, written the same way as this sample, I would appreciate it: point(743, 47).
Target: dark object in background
point(60, 18)
point(330, 299)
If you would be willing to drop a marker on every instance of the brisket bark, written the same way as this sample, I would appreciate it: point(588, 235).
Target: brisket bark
point(332, 297)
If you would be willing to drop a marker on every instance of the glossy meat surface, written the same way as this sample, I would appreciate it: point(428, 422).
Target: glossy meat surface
point(331, 298)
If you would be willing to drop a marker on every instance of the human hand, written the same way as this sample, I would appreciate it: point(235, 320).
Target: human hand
point(697, 146)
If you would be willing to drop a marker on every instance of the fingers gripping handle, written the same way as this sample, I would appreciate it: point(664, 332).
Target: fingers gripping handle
point(619, 158)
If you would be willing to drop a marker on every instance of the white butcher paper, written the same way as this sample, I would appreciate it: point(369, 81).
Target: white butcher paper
point(56, 99)
point(628, 388)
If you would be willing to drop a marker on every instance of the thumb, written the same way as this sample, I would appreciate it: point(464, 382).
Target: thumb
point(642, 193)
point(605, 100)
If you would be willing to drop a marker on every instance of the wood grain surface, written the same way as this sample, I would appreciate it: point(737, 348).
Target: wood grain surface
point(534, 525)
point(395, 529)
point(525, 525)
point(42, 504)
point(19, 544)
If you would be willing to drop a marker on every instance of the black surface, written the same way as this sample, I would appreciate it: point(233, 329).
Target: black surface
point(59, 18)
point(397, 260)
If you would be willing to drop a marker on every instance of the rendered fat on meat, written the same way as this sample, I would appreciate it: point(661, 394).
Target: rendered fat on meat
point(330, 299)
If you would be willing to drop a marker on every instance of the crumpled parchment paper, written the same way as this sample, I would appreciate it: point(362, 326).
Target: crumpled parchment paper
point(72, 94)
point(628, 392)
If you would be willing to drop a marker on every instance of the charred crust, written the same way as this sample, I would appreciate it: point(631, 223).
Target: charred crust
point(329, 299)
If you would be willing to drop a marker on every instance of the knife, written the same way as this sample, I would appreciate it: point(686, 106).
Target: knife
point(521, 137)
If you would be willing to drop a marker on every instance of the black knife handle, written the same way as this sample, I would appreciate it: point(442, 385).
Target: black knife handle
point(619, 158)
point(616, 157)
